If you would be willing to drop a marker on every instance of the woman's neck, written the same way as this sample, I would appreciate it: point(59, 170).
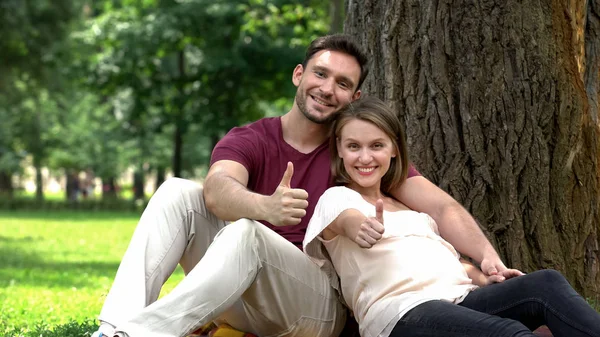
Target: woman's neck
point(371, 193)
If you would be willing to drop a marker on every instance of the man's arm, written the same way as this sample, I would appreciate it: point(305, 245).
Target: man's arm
point(455, 224)
point(226, 195)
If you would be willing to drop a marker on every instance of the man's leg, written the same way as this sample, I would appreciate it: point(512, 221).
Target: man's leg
point(256, 281)
point(542, 297)
point(175, 228)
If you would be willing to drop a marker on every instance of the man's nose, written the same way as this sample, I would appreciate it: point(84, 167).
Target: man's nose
point(327, 86)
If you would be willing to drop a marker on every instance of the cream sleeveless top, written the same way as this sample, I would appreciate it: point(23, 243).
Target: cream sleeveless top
point(410, 265)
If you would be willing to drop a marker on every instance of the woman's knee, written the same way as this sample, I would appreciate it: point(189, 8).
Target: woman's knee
point(541, 283)
point(548, 277)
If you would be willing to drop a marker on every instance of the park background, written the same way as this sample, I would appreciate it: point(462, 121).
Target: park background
point(102, 100)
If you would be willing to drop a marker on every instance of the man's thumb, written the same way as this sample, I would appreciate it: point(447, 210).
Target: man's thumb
point(379, 210)
point(492, 271)
point(287, 175)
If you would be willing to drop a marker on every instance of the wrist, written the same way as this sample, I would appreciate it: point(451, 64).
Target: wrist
point(263, 208)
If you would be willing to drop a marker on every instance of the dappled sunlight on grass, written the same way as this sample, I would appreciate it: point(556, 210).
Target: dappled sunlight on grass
point(56, 268)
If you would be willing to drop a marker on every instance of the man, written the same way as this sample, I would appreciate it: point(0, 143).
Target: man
point(273, 171)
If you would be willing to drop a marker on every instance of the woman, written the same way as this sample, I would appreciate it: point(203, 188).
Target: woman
point(397, 274)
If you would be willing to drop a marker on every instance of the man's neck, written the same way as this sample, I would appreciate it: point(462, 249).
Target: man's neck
point(302, 134)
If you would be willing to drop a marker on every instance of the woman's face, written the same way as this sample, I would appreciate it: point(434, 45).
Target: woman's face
point(366, 152)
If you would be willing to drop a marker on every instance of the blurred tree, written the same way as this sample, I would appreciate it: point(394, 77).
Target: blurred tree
point(201, 62)
point(30, 31)
point(110, 84)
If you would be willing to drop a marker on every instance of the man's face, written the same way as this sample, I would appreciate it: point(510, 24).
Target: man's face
point(326, 85)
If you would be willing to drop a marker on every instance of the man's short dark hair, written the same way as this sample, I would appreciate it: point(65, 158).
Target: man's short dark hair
point(341, 43)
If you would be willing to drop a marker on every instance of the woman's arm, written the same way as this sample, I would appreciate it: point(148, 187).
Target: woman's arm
point(477, 276)
point(365, 231)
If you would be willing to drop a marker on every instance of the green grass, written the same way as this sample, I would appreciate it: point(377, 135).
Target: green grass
point(56, 268)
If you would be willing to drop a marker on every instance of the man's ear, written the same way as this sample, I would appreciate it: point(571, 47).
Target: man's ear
point(356, 95)
point(297, 74)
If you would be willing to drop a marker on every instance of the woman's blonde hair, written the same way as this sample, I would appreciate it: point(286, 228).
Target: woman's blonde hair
point(375, 111)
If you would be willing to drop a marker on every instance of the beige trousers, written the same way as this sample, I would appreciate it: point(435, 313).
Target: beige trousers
point(242, 273)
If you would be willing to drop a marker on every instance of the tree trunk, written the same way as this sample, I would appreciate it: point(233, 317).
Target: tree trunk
point(179, 122)
point(39, 182)
point(336, 15)
point(109, 188)
point(496, 111)
point(72, 185)
point(138, 184)
point(160, 177)
point(6, 186)
point(177, 148)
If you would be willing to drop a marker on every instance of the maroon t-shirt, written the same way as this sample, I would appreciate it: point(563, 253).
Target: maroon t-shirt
point(260, 148)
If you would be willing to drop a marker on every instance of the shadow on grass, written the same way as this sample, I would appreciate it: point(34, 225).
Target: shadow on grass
point(23, 267)
point(79, 216)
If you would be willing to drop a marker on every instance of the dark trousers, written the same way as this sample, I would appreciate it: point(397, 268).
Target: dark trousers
point(514, 307)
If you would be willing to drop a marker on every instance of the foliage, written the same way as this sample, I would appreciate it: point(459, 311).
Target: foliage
point(56, 269)
point(150, 84)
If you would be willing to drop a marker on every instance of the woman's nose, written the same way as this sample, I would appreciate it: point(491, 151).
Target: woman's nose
point(365, 156)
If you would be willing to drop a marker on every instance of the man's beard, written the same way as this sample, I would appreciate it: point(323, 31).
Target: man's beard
point(301, 103)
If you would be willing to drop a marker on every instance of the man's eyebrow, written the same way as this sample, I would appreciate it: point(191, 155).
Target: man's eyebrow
point(340, 77)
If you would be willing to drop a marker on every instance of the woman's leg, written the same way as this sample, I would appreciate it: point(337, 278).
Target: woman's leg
point(445, 319)
point(542, 297)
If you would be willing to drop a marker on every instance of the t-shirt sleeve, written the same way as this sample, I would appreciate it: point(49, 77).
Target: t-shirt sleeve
point(241, 145)
point(412, 171)
point(331, 204)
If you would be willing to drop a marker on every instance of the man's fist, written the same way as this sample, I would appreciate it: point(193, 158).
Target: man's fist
point(287, 205)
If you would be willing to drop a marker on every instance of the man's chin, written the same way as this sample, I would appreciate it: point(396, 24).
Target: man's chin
point(321, 119)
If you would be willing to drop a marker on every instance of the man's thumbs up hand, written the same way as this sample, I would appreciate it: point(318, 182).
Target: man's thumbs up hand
point(287, 204)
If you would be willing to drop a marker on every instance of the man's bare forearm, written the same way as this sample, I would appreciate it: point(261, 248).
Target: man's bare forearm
point(229, 200)
point(455, 224)
point(461, 230)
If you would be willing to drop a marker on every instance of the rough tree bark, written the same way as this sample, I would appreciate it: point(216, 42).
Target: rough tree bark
point(499, 100)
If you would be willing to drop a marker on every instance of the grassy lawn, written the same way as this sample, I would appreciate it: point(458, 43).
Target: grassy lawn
point(56, 268)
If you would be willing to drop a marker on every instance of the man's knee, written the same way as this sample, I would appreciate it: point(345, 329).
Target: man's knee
point(177, 186)
point(240, 231)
